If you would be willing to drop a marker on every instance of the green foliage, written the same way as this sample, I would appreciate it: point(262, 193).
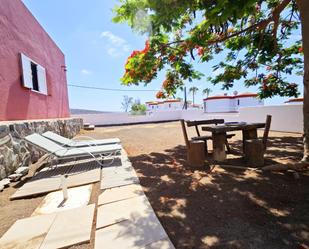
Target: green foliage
point(253, 35)
point(207, 91)
point(138, 109)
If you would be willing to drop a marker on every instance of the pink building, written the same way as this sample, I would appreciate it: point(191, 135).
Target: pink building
point(32, 68)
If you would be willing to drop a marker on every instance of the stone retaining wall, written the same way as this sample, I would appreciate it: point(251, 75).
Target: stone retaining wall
point(15, 152)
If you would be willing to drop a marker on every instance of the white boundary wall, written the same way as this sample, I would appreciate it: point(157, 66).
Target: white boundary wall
point(287, 118)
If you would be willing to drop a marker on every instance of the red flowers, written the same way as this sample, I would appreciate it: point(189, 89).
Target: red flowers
point(147, 47)
point(265, 87)
point(300, 50)
point(165, 83)
point(269, 76)
point(200, 51)
point(292, 86)
point(172, 58)
point(160, 95)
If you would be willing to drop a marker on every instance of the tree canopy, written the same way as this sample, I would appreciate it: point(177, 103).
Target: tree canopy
point(253, 37)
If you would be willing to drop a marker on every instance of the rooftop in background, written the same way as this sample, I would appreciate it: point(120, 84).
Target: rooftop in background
point(225, 96)
point(162, 102)
point(296, 100)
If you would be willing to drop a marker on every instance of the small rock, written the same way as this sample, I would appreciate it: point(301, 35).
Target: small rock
point(15, 177)
point(22, 170)
point(1, 188)
point(5, 182)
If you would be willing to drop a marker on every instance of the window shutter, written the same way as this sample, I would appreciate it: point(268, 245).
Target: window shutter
point(42, 80)
point(26, 71)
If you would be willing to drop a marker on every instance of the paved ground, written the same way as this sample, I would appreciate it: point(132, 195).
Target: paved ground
point(202, 209)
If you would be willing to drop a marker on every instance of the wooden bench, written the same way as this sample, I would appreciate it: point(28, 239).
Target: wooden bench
point(196, 123)
point(255, 148)
point(195, 149)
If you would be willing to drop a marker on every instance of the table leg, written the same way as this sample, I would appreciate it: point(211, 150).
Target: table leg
point(248, 134)
point(219, 153)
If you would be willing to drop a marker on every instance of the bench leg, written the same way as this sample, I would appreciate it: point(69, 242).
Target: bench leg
point(206, 148)
point(254, 155)
point(247, 135)
point(228, 149)
point(196, 154)
point(219, 141)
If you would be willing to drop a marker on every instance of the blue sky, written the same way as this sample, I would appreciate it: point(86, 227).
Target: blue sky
point(96, 50)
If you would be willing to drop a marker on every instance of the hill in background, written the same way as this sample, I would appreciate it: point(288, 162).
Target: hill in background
point(84, 111)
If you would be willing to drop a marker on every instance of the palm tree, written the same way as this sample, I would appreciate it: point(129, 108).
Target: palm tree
point(193, 90)
point(207, 91)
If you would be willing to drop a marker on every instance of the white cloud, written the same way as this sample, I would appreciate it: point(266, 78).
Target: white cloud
point(86, 72)
point(116, 45)
point(113, 52)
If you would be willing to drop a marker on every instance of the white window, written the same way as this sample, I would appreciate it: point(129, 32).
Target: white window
point(34, 75)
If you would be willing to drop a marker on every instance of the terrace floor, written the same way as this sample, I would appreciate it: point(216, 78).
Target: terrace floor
point(199, 208)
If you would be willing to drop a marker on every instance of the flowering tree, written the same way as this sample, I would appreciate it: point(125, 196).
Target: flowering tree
point(254, 36)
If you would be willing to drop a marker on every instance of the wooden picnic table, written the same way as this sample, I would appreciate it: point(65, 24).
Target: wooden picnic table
point(249, 131)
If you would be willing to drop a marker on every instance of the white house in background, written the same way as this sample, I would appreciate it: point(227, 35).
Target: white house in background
point(296, 101)
point(152, 105)
point(226, 103)
point(170, 104)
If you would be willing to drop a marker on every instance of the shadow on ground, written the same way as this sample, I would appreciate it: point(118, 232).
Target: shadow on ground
point(228, 208)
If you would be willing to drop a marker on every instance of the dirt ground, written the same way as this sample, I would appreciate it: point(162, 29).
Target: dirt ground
point(203, 208)
point(222, 208)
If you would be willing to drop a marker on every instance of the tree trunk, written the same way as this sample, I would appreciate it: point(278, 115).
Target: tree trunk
point(193, 97)
point(303, 6)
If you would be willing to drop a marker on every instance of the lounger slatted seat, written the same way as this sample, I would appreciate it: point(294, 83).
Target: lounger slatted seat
point(84, 143)
point(65, 152)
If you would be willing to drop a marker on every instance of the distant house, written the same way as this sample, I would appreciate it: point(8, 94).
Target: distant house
point(226, 103)
point(170, 104)
point(151, 105)
point(296, 101)
point(32, 68)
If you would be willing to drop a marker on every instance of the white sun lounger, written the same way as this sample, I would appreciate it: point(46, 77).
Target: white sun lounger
point(84, 143)
point(66, 152)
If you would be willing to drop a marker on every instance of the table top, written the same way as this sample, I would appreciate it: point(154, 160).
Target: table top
point(232, 127)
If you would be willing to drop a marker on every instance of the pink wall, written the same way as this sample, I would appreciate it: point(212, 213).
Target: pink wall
point(21, 33)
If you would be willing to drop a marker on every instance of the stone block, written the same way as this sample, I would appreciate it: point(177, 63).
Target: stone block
point(70, 228)
point(120, 193)
point(133, 234)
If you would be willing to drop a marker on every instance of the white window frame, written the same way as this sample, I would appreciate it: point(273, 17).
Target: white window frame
point(27, 78)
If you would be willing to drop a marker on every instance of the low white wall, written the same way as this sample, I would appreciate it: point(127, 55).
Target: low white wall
point(287, 118)
point(114, 118)
point(284, 117)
